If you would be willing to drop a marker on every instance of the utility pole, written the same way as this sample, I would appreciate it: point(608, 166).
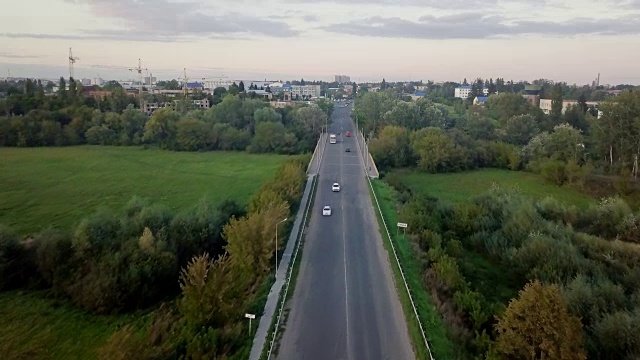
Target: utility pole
point(72, 60)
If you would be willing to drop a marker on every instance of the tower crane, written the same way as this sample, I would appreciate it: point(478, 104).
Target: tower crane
point(137, 69)
point(72, 60)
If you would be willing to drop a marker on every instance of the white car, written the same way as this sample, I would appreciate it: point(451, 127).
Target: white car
point(335, 187)
point(326, 211)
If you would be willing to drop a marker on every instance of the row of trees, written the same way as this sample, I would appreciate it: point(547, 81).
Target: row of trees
point(507, 133)
point(585, 291)
point(124, 262)
point(234, 124)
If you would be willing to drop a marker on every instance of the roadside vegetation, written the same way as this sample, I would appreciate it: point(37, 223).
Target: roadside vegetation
point(536, 252)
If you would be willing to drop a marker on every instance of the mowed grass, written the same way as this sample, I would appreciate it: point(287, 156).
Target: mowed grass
point(458, 187)
point(42, 187)
point(34, 327)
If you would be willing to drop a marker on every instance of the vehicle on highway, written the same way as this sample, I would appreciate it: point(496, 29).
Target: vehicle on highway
point(326, 211)
point(348, 150)
point(335, 187)
point(348, 134)
point(332, 139)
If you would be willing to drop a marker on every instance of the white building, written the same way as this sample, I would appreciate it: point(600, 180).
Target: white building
point(545, 105)
point(462, 92)
point(86, 82)
point(97, 81)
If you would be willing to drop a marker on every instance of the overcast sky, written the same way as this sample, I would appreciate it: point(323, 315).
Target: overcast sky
point(367, 39)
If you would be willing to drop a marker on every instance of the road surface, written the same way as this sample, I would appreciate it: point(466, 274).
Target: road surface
point(345, 304)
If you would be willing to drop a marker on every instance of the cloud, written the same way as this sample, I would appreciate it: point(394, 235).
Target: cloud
point(18, 56)
point(479, 26)
point(165, 19)
point(437, 4)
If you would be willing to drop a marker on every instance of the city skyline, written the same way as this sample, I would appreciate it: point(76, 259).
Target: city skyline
point(569, 41)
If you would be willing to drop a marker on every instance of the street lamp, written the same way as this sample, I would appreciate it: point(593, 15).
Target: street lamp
point(276, 257)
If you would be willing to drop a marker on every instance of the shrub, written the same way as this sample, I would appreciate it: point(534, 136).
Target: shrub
point(15, 268)
point(553, 171)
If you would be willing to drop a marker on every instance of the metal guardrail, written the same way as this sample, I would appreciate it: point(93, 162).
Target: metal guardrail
point(291, 266)
point(404, 280)
point(395, 254)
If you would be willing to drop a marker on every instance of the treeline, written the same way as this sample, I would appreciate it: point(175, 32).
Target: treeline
point(581, 269)
point(123, 262)
point(234, 124)
point(26, 96)
point(507, 133)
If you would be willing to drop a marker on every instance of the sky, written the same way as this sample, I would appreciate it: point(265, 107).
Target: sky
point(440, 40)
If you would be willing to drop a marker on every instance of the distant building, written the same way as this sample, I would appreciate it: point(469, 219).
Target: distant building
point(148, 108)
point(292, 92)
point(86, 82)
point(97, 81)
point(545, 105)
point(480, 100)
point(417, 95)
point(262, 93)
point(149, 80)
point(462, 92)
point(341, 79)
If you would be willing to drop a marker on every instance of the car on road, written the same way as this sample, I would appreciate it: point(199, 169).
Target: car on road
point(335, 187)
point(348, 150)
point(348, 134)
point(326, 211)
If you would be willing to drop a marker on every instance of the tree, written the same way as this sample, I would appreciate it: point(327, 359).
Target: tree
point(492, 87)
point(520, 129)
point(392, 147)
point(241, 87)
point(269, 137)
point(538, 325)
point(383, 85)
point(503, 106)
point(192, 134)
point(556, 102)
point(161, 128)
point(266, 114)
point(436, 152)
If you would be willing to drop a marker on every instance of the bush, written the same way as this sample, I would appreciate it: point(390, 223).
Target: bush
point(15, 267)
point(553, 171)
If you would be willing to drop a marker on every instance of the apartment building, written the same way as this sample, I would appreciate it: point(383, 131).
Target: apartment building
point(341, 79)
point(462, 92)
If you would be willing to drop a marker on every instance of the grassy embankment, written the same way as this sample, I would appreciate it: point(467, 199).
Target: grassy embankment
point(42, 187)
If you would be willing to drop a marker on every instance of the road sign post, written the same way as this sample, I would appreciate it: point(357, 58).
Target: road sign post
point(250, 317)
point(403, 226)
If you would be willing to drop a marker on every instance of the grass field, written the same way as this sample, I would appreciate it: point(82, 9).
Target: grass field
point(34, 327)
point(41, 187)
point(458, 187)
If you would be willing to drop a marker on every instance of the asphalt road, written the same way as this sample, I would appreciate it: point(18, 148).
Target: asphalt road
point(345, 304)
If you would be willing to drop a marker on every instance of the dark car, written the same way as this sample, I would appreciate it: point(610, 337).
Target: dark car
point(348, 150)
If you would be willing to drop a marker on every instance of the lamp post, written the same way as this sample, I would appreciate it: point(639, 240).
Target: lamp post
point(276, 257)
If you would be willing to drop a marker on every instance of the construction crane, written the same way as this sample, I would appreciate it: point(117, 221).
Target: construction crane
point(137, 69)
point(72, 60)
